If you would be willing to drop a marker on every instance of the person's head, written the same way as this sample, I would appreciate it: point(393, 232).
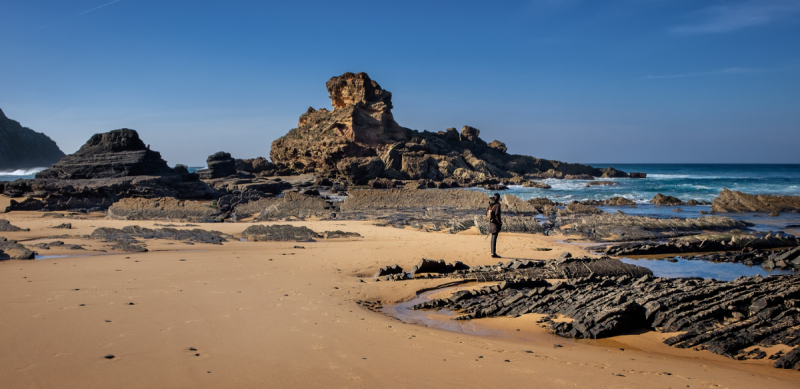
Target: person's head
point(495, 198)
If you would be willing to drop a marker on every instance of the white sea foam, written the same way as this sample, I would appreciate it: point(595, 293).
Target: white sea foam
point(23, 172)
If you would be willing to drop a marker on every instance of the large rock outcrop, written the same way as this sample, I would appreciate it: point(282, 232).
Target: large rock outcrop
point(359, 141)
point(109, 167)
point(23, 148)
point(118, 153)
point(733, 201)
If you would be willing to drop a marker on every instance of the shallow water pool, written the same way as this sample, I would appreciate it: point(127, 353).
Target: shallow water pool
point(723, 271)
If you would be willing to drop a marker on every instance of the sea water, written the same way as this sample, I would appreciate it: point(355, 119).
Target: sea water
point(31, 173)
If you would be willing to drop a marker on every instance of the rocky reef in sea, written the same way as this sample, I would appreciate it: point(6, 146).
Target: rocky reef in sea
point(733, 201)
point(359, 141)
point(23, 148)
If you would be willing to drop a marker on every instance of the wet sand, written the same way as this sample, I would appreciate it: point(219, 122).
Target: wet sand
point(264, 314)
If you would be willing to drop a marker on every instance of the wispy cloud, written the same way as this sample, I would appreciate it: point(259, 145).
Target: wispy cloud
point(720, 72)
point(93, 9)
point(78, 14)
point(742, 14)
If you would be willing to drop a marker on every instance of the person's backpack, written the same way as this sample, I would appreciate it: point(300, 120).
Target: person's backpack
point(489, 213)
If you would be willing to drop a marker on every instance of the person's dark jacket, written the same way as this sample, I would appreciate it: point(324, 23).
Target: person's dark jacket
point(495, 218)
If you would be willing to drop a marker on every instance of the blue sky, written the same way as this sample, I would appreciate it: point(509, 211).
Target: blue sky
point(662, 81)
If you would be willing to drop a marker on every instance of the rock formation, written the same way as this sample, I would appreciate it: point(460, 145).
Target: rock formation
point(23, 148)
point(220, 164)
point(359, 141)
point(118, 153)
point(163, 208)
point(733, 201)
point(110, 166)
point(660, 199)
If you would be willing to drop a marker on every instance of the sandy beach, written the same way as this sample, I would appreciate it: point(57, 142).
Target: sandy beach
point(268, 314)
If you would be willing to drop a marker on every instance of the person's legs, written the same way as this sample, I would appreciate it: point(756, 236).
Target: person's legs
point(494, 244)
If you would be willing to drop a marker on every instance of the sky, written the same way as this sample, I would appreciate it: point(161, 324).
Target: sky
point(618, 81)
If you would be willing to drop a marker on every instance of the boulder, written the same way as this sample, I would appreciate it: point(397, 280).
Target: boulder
point(220, 164)
point(660, 199)
point(10, 249)
point(619, 201)
point(610, 172)
point(536, 184)
point(637, 175)
point(6, 226)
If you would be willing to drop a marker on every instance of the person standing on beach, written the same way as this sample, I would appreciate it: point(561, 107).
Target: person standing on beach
point(495, 221)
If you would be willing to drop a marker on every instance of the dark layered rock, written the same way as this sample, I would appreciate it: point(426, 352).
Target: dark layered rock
point(388, 270)
point(109, 167)
point(705, 243)
point(6, 226)
point(23, 148)
point(129, 234)
point(220, 164)
point(118, 153)
point(733, 201)
point(360, 141)
point(258, 165)
point(622, 227)
point(725, 318)
point(437, 266)
point(565, 266)
point(10, 249)
point(637, 175)
point(277, 232)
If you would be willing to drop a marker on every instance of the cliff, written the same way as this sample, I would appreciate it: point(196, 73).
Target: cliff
point(23, 148)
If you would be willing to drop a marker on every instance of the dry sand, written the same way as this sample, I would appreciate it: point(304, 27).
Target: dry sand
point(264, 314)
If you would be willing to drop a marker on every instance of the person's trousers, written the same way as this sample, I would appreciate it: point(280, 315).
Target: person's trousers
point(494, 243)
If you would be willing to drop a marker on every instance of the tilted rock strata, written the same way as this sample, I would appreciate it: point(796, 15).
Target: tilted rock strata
point(733, 201)
point(705, 243)
point(621, 227)
point(23, 148)
point(360, 141)
point(725, 318)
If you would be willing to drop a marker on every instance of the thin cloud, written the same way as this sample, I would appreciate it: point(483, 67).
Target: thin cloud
point(732, 17)
point(78, 14)
point(93, 9)
point(721, 72)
